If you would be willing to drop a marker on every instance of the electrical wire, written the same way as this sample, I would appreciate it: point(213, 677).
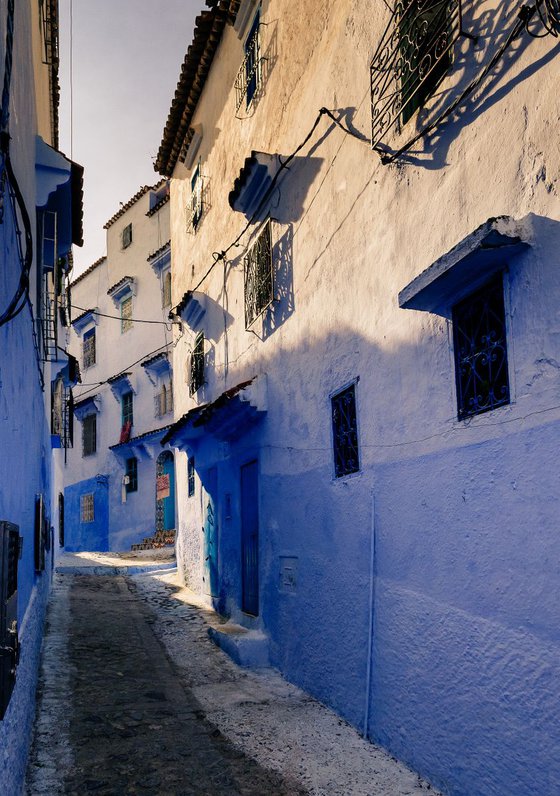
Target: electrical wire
point(167, 324)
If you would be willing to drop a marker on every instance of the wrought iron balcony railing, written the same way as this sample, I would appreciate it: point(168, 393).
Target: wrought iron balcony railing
point(413, 56)
point(259, 276)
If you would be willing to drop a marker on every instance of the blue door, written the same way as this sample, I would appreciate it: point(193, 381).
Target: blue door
point(165, 492)
point(210, 484)
point(250, 539)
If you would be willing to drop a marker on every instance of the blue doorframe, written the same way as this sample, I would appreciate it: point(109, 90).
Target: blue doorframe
point(250, 538)
point(210, 551)
point(165, 507)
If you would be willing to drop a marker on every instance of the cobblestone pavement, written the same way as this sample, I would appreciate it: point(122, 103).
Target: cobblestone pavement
point(113, 715)
point(135, 699)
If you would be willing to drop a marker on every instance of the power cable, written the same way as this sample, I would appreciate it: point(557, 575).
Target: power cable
point(118, 317)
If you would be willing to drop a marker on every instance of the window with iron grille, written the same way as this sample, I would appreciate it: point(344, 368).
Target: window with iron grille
point(166, 291)
point(195, 207)
point(126, 314)
point(190, 476)
point(197, 364)
point(164, 400)
point(127, 408)
point(62, 412)
point(87, 508)
point(259, 277)
point(131, 485)
point(413, 56)
point(126, 236)
point(249, 74)
point(88, 348)
point(89, 435)
point(345, 432)
point(479, 342)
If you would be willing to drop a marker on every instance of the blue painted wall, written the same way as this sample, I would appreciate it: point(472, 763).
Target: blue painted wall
point(87, 535)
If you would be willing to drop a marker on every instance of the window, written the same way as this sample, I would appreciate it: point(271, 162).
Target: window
point(87, 509)
point(190, 476)
point(126, 236)
point(479, 342)
point(345, 432)
point(126, 314)
point(259, 279)
point(126, 406)
point(89, 435)
point(62, 414)
point(194, 211)
point(249, 75)
point(131, 476)
point(166, 289)
point(88, 348)
point(425, 54)
point(164, 400)
point(197, 364)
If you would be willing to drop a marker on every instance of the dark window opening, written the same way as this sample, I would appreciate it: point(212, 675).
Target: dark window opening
point(88, 348)
point(425, 54)
point(197, 364)
point(126, 405)
point(259, 277)
point(190, 476)
point(89, 435)
point(345, 432)
point(126, 236)
point(131, 475)
point(479, 340)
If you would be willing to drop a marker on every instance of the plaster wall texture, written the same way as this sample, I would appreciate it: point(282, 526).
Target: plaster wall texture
point(465, 647)
point(121, 523)
point(26, 466)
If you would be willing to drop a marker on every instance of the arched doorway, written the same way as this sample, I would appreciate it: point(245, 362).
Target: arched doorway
point(165, 492)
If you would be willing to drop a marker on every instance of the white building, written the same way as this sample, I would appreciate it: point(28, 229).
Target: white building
point(365, 231)
point(122, 339)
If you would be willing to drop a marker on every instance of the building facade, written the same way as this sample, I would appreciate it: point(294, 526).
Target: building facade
point(119, 483)
point(40, 219)
point(365, 215)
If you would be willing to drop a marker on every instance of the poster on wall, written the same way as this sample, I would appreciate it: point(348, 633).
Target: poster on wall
point(162, 486)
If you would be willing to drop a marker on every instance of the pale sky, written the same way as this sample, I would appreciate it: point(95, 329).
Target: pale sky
point(127, 57)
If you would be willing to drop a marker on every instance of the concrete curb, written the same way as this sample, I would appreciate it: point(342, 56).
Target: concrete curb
point(115, 570)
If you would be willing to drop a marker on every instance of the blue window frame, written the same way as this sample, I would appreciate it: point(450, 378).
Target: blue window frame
point(252, 53)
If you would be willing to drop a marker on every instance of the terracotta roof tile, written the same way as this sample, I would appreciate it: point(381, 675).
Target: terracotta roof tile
point(88, 271)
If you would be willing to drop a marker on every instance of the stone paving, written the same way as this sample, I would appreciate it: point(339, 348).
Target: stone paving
point(135, 699)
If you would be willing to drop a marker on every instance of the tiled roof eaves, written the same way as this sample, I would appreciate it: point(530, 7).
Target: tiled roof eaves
point(84, 401)
point(209, 27)
point(138, 195)
point(88, 271)
point(159, 205)
point(147, 362)
point(139, 438)
point(119, 284)
point(159, 251)
point(122, 375)
point(83, 315)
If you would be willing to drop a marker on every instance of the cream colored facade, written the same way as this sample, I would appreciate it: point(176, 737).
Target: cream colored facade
point(413, 595)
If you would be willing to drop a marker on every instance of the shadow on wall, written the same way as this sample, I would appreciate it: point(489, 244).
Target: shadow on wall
point(491, 29)
point(462, 579)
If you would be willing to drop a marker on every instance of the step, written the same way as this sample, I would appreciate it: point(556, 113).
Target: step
point(248, 648)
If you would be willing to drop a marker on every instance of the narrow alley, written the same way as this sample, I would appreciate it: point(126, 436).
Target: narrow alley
point(135, 699)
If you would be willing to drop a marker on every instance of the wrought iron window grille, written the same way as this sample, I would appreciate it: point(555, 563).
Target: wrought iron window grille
point(88, 349)
point(196, 379)
point(49, 30)
point(163, 401)
point(199, 202)
point(259, 276)
point(87, 508)
point(345, 432)
point(414, 55)
point(190, 477)
point(126, 314)
point(62, 413)
point(249, 76)
point(480, 349)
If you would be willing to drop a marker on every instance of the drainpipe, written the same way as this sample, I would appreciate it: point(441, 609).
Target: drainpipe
point(371, 619)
